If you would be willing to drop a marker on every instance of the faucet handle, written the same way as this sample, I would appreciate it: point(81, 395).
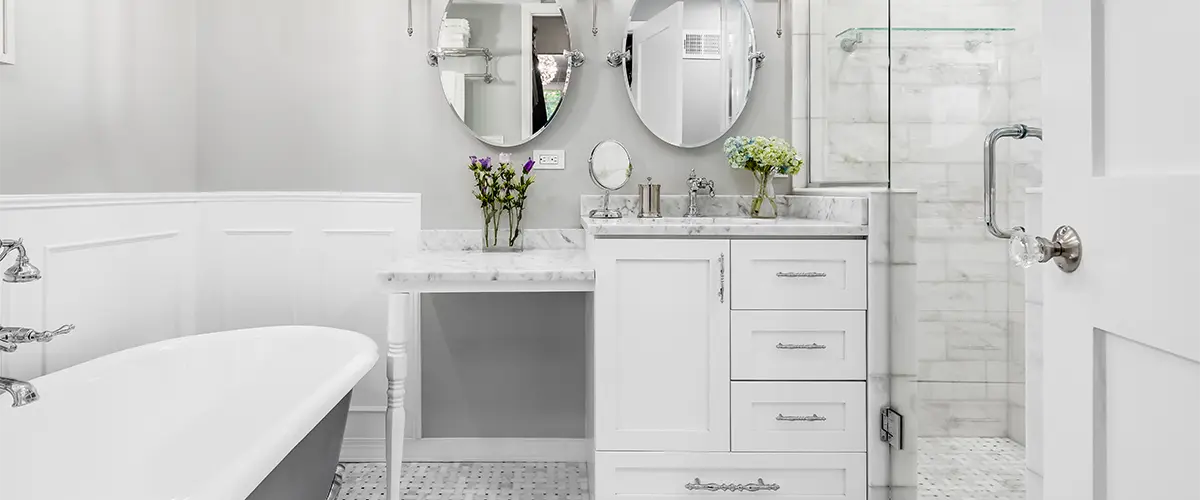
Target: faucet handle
point(49, 335)
point(11, 336)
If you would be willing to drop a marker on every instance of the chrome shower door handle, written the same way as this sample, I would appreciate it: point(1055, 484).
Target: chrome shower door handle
point(989, 172)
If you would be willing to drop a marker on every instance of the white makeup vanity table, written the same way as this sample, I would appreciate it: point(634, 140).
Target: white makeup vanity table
point(724, 354)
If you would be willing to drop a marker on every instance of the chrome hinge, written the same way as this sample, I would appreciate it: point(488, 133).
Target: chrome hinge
point(891, 427)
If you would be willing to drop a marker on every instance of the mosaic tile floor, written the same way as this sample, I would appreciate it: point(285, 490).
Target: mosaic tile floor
point(948, 469)
point(470, 481)
point(963, 468)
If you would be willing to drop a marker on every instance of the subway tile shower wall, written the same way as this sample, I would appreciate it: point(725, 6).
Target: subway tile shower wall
point(942, 98)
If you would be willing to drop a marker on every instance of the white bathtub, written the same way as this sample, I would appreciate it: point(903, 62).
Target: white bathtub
point(206, 417)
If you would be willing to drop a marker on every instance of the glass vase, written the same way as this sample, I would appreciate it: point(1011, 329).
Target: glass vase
point(501, 231)
point(763, 205)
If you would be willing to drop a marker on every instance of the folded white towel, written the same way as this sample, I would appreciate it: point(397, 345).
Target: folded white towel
point(454, 33)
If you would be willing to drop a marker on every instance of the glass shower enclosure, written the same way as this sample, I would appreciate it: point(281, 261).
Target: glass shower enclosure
point(901, 94)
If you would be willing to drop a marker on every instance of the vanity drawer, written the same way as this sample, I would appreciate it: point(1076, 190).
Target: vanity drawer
point(798, 345)
point(799, 416)
point(798, 274)
point(800, 476)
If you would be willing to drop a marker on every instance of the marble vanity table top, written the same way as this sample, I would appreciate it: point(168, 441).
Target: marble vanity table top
point(451, 261)
point(473, 266)
point(841, 214)
point(721, 226)
point(843, 206)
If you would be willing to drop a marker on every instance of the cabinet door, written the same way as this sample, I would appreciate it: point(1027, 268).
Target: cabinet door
point(661, 345)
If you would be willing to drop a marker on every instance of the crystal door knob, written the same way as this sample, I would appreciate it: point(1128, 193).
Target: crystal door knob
point(1064, 248)
point(1024, 249)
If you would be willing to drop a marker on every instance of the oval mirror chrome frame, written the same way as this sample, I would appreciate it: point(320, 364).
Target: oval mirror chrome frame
point(575, 59)
point(622, 58)
point(605, 212)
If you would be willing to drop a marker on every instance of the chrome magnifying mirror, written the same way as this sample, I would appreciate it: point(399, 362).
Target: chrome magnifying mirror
point(610, 168)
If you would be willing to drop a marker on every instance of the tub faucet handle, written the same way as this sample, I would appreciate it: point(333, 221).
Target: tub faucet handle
point(11, 336)
point(49, 335)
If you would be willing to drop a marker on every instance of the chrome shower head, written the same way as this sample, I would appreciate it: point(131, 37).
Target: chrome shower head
point(22, 271)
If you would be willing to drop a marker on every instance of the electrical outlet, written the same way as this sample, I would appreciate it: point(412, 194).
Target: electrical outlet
point(550, 159)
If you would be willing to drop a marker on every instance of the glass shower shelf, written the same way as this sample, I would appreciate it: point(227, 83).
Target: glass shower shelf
point(850, 38)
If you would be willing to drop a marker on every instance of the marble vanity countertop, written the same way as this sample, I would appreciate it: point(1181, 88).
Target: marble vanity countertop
point(472, 266)
point(721, 226)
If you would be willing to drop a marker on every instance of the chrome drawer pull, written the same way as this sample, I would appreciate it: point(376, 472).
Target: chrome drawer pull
point(805, 418)
point(721, 291)
point(751, 487)
point(811, 346)
point(784, 274)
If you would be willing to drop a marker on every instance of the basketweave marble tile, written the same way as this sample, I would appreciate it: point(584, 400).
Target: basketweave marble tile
point(970, 469)
point(469, 481)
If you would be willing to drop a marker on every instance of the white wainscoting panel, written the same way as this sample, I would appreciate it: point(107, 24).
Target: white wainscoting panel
point(297, 258)
point(120, 267)
point(132, 269)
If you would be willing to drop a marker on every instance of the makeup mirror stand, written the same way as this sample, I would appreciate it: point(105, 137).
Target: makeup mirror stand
point(605, 212)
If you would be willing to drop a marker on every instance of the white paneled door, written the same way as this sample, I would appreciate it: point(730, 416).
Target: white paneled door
point(1122, 333)
point(662, 345)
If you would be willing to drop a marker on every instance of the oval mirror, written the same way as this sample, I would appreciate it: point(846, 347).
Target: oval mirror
point(610, 168)
point(689, 66)
point(504, 67)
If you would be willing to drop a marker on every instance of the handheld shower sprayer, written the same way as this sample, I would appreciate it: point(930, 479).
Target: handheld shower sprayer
point(22, 271)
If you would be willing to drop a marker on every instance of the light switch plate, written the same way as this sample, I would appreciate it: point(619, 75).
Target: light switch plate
point(549, 159)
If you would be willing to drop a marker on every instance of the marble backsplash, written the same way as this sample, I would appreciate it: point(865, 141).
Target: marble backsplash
point(849, 209)
point(471, 240)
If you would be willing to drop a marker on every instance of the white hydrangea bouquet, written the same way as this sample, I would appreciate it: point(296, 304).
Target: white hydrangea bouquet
point(764, 157)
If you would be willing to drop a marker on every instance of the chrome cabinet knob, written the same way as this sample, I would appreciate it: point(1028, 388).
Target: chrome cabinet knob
point(1064, 248)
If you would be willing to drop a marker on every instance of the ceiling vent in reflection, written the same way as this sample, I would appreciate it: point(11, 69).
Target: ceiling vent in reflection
point(701, 44)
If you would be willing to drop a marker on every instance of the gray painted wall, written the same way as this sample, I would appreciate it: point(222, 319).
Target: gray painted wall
point(314, 95)
point(145, 95)
point(103, 98)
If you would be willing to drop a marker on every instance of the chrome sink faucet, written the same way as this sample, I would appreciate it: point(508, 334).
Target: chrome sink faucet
point(695, 184)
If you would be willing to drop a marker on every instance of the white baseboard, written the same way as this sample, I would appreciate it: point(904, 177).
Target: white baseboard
point(471, 450)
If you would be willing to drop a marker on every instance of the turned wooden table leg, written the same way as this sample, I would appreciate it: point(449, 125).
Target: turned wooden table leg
point(399, 323)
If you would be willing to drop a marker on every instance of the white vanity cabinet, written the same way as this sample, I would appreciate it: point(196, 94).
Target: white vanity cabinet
point(661, 345)
point(726, 366)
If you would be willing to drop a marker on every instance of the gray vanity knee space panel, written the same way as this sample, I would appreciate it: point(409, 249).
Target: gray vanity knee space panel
point(503, 365)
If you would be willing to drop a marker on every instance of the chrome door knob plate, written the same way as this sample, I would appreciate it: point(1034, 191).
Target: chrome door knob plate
point(1064, 248)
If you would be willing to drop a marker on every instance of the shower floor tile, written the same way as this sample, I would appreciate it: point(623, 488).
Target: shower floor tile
point(469, 481)
point(970, 468)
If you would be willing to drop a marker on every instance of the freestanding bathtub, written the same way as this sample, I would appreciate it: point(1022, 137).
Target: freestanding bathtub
point(255, 413)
